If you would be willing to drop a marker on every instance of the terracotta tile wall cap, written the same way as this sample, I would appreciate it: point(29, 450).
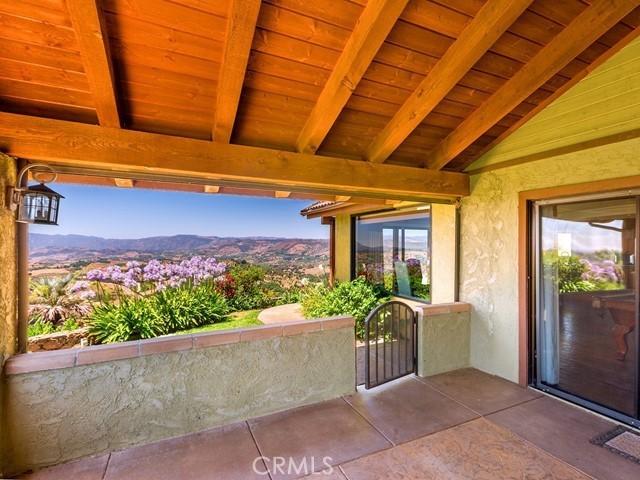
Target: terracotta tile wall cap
point(174, 343)
point(337, 322)
point(302, 326)
point(33, 362)
point(261, 333)
point(106, 353)
point(211, 339)
point(445, 308)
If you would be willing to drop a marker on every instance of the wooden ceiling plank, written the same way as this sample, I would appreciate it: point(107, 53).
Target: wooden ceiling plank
point(241, 25)
point(130, 152)
point(584, 30)
point(373, 26)
point(88, 23)
point(493, 19)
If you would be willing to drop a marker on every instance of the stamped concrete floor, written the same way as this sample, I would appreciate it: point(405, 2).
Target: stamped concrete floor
point(460, 425)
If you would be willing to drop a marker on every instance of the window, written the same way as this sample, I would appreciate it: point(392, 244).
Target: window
point(393, 251)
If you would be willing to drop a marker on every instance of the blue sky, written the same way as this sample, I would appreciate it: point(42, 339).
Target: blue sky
point(134, 213)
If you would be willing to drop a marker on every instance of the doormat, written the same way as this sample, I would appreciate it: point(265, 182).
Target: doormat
point(621, 441)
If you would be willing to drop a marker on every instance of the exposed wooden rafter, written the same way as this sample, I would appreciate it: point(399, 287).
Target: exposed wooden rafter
point(92, 146)
point(88, 23)
point(585, 29)
point(374, 24)
point(241, 25)
point(493, 19)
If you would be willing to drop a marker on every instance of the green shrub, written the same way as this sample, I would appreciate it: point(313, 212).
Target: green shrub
point(68, 325)
point(131, 318)
point(164, 312)
point(189, 306)
point(356, 298)
point(40, 327)
point(248, 281)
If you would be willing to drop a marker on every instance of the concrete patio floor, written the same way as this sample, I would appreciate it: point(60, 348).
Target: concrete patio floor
point(463, 424)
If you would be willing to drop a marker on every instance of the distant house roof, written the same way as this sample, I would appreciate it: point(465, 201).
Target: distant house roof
point(318, 206)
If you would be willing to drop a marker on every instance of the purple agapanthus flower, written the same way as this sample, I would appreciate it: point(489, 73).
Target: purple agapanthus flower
point(160, 275)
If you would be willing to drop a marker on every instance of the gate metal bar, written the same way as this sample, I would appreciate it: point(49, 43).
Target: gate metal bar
point(397, 340)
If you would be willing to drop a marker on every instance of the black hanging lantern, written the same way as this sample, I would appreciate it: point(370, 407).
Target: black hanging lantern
point(36, 204)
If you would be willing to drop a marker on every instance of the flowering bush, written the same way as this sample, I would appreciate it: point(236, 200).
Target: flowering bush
point(581, 275)
point(604, 272)
point(156, 275)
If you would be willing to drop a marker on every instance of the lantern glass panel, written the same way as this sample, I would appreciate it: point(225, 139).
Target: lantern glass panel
point(39, 207)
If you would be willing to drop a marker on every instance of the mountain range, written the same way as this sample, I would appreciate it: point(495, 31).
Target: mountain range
point(47, 249)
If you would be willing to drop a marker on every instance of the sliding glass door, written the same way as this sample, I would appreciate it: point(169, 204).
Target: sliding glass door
point(587, 302)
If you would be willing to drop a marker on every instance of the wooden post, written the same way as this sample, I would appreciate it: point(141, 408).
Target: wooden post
point(22, 254)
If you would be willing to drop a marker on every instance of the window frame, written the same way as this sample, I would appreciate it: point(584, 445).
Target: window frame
point(393, 213)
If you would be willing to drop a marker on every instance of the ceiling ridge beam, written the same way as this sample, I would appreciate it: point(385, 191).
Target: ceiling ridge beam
point(493, 19)
point(584, 30)
point(241, 26)
point(127, 151)
point(89, 27)
point(372, 28)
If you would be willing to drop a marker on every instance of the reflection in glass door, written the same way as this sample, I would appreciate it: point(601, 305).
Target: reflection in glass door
point(587, 313)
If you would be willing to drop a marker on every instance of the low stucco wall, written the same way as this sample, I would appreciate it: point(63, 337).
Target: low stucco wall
point(443, 338)
point(63, 413)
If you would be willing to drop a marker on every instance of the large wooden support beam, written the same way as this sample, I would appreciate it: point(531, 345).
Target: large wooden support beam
point(493, 19)
point(88, 23)
point(374, 24)
point(119, 150)
point(241, 25)
point(585, 29)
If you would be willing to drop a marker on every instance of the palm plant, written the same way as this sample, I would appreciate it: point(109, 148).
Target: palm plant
point(53, 300)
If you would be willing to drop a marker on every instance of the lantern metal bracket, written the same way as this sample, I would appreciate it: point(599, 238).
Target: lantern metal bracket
point(15, 192)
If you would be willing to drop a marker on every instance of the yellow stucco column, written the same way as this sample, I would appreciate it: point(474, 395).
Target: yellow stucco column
point(443, 253)
point(8, 287)
point(8, 273)
point(343, 248)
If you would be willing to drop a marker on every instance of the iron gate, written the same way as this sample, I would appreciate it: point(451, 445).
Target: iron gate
point(390, 350)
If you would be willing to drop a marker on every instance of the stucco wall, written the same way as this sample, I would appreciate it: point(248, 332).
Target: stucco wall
point(57, 415)
point(443, 338)
point(489, 250)
point(605, 102)
point(8, 261)
point(7, 283)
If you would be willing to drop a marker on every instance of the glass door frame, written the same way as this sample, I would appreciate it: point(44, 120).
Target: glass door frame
point(534, 276)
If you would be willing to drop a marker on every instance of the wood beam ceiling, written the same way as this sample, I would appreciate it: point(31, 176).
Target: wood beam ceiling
point(371, 30)
point(88, 24)
point(119, 150)
point(241, 25)
point(493, 19)
point(584, 30)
